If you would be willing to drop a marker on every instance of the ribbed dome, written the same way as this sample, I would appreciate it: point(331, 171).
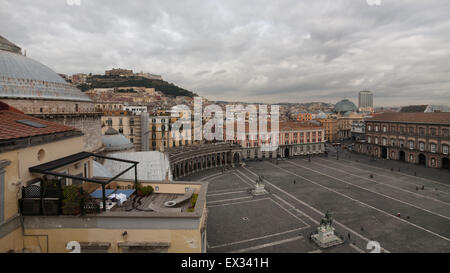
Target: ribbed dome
point(113, 141)
point(344, 106)
point(22, 77)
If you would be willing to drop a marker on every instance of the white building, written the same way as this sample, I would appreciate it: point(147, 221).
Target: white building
point(365, 101)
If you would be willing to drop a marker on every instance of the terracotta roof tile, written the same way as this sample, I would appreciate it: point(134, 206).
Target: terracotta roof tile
point(435, 117)
point(11, 129)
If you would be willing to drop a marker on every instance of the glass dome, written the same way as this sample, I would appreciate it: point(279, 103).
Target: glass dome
point(345, 106)
point(22, 77)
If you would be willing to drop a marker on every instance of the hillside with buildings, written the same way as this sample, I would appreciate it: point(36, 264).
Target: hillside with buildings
point(118, 78)
point(112, 81)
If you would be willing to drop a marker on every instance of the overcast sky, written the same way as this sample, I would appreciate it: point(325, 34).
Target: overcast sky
point(245, 50)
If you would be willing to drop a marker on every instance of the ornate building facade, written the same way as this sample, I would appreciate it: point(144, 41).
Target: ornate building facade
point(418, 138)
point(295, 138)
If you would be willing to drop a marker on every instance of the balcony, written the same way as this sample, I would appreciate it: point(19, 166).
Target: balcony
point(48, 196)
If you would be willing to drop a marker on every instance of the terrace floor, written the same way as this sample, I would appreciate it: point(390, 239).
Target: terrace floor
point(158, 199)
point(364, 208)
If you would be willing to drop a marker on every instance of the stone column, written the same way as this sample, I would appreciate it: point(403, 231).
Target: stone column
point(3, 164)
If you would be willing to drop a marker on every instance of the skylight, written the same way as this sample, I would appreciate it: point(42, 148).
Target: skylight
point(31, 123)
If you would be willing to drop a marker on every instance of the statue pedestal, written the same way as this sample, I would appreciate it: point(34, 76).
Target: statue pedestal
point(325, 237)
point(259, 190)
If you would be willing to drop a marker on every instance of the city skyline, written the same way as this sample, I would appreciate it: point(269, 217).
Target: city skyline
point(321, 51)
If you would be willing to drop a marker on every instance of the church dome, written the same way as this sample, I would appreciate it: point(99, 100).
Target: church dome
point(345, 106)
point(113, 141)
point(25, 78)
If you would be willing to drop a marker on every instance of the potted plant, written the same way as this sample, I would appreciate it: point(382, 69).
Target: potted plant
point(72, 196)
point(144, 191)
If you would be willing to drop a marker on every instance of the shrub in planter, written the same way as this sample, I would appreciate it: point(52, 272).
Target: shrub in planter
point(144, 191)
point(193, 202)
point(72, 196)
point(50, 188)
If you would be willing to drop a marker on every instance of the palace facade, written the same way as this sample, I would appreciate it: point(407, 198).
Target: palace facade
point(418, 138)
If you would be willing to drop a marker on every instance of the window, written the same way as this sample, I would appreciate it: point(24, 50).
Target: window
point(131, 131)
point(433, 161)
point(376, 128)
point(392, 142)
point(402, 129)
point(433, 147)
point(402, 143)
point(77, 181)
point(369, 139)
point(121, 130)
point(41, 155)
point(120, 122)
point(433, 131)
point(369, 128)
point(376, 140)
point(109, 122)
point(411, 130)
point(132, 140)
point(422, 131)
point(411, 144)
point(445, 132)
point(422, 146)
point(445, 149)
point(384, 129)
point(86, 169)
point(384, 141)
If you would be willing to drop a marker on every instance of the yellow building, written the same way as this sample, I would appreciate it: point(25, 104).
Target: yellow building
point(43, 166)
point(345, 122)
point(330, 128)
point(154, 129)
point(125, 123)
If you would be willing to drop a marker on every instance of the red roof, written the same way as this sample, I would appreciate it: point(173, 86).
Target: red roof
point(433, 117)
point(11, 129)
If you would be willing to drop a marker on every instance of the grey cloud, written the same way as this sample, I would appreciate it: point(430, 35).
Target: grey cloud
point(252, 50)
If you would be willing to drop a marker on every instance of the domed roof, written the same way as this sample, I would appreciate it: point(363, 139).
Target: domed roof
point(344, 106)
point(321, 115)
point(22, 77)
point(113, 141)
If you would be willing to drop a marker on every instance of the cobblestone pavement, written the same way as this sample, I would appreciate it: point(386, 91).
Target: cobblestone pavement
point(369, 202)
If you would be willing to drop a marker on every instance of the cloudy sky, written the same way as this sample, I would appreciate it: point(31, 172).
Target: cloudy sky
point(264, 51)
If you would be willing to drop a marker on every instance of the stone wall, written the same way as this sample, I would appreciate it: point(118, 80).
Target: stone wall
point(31, 106)
point(90, 125)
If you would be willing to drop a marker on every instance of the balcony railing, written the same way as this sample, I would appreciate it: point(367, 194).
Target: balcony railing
point(51, 200)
